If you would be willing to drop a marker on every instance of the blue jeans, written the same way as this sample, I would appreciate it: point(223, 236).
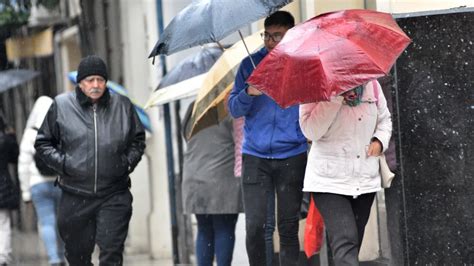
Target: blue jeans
point(216, 234)
point(45, 197)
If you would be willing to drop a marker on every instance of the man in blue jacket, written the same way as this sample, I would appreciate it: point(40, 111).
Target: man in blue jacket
point(274, 154)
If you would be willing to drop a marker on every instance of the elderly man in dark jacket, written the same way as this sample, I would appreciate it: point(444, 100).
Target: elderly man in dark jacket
point(93, 139)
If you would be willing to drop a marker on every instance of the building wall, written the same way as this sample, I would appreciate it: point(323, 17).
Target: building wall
point(403, 6)
point(323, 6)
point(67, 56)
point(150, 186)
point(429, 205)
point(310, 8)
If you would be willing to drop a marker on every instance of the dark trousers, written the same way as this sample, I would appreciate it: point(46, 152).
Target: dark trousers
point(216, 235)
point(84, 222)
point(259, 178)
point(270, 227)
point(345, 219)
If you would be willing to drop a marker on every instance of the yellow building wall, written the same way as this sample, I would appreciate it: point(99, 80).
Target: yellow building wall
point(323, 6)
point(34, 45)
point(311, 8)
point(294, 9)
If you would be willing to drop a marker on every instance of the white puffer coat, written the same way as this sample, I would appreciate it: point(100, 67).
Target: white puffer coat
point(338, 161)
point(27, 171)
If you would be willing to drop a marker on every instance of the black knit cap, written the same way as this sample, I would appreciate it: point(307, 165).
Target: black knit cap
point(91, 65)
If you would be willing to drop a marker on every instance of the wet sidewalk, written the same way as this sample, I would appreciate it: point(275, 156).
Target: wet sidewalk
point(28, 250)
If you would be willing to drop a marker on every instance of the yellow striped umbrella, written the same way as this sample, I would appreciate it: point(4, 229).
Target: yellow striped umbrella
point(211, 102)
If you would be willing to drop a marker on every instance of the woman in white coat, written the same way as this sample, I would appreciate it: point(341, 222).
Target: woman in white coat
point(39, 188)
point(348, 134)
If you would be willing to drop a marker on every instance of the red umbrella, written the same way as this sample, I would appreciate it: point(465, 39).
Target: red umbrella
point(329, 54)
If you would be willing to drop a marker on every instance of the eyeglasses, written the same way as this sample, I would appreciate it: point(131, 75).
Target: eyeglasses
point(276, 37)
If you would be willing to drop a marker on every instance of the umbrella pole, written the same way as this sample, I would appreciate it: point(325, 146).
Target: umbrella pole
point(246, 48)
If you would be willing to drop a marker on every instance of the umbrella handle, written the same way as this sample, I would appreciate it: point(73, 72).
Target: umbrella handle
point(246, 48)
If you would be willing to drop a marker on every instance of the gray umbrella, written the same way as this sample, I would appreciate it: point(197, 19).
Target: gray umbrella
point(191, 66)
point(15, 77)
point(206, 21)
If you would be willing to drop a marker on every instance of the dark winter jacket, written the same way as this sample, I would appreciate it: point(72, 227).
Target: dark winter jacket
point(9, 192)
point(270, 131)
point(93, 148)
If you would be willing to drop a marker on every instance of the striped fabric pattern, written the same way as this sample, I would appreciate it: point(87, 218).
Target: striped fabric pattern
point(238, 140)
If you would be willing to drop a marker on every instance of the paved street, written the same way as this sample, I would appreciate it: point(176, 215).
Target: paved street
point(28, 250)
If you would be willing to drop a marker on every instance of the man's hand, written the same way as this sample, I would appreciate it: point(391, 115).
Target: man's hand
point(375, 148)
point(253, 91)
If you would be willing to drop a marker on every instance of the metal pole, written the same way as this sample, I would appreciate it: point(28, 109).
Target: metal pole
point(169, 145)
point(402, 168)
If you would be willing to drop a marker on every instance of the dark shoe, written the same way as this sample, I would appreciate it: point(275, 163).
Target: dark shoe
point(59, 264)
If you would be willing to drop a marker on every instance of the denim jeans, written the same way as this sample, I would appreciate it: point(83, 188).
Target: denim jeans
point(216, 234)
point(345, 218)
point(285, 177)
point(45, 197)
point(5, 237)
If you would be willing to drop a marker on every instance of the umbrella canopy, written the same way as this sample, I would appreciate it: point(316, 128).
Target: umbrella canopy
point(206, 21)
point(15, 77)
point(329, 54)
point(117, 88)
point(181, 90)
point(210, 107)
point(191, 66)
point(185, 79)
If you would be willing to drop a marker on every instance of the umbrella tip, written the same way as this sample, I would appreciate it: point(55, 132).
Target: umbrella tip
point(159, 49)
point(154, 52)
